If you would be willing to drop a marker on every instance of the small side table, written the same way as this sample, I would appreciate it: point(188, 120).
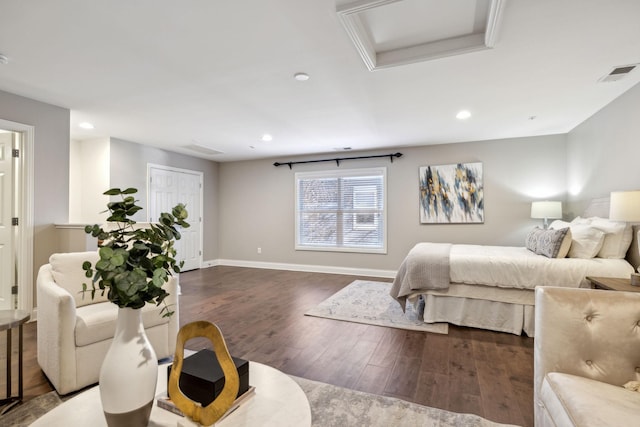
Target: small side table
point(10, 319)
point(613, 284)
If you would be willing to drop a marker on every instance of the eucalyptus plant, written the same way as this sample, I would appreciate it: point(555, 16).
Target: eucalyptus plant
point(134, 262)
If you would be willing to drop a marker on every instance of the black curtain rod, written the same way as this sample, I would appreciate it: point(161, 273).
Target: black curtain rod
point(339, 159)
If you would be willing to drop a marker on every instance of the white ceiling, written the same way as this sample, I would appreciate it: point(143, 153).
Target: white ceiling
point(219, 74)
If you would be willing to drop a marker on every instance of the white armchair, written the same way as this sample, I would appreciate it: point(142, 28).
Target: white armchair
point(587, 346)
point(74, 331)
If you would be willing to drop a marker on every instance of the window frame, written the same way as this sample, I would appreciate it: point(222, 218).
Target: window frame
point(345, 173)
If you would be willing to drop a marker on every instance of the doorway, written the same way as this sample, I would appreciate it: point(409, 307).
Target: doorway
point(169, 186)
point(16, 216)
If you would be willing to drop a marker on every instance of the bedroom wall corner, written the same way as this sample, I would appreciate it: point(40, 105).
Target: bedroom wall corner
point(603, 152)
point(129, 169)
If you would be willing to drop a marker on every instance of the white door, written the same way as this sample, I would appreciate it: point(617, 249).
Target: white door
point(167, 188)
point(6, 213)
point(189, 192)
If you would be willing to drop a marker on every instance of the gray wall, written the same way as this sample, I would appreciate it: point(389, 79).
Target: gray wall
point(603, 152)
point(129, 169)
point(51, 167)
point(257, 201)
point(250, 204)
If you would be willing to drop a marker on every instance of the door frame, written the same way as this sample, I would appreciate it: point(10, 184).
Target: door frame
point(26, 285)
point(200, 213)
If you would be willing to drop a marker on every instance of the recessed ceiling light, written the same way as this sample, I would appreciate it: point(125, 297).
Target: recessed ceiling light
point(301, 77)
point(463, 115)
point(266, 137)
point(86, 125)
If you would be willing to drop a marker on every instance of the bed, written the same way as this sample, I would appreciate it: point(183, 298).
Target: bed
point(492, 287)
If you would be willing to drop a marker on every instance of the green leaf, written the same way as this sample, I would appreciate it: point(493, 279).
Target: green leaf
point(105, 252)
point(117, 260)
point(103, 264)
point(112, 192)
point(130, 190)
point(132, 210)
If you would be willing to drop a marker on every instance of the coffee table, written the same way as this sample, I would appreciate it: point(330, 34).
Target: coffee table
point(278, 402)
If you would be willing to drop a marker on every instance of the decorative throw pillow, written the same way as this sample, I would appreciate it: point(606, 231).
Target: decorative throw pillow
point(531, 242)
point(566, 242)
point(546, 242)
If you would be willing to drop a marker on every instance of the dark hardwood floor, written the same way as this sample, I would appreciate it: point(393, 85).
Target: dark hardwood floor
point(260, 313)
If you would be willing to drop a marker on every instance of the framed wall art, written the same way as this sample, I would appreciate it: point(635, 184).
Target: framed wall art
point(451, 194)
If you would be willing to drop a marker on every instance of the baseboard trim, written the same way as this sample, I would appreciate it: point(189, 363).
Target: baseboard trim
point(389, 274)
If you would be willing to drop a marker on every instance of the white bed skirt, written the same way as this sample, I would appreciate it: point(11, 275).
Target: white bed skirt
point(480, 313)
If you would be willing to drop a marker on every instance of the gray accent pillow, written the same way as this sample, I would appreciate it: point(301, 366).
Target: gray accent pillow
point(546, 242)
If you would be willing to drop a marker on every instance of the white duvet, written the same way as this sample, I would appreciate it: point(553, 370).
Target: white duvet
point(517, 267)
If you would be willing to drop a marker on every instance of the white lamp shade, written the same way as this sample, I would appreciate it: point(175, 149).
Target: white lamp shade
point(625, 206)
point(546, 209)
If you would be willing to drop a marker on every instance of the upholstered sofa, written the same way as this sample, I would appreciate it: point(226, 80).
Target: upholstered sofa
point(75, 331)
point(587, 346)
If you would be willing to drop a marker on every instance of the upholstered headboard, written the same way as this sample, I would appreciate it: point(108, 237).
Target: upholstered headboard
point(600, 207)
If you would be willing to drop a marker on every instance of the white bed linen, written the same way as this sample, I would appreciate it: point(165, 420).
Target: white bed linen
point(490, 293)
point(479, 313)
point(518, 267)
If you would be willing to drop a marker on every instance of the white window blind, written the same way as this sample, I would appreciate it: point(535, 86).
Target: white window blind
point(341, 210)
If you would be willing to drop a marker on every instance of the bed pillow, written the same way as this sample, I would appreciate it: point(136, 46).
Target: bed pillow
point(547, 242)
point(558, 224)
point(586, 241)
point(581, 221)
point(617, 237)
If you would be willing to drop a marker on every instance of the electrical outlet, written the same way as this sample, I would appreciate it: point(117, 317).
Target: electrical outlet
point(259, 250)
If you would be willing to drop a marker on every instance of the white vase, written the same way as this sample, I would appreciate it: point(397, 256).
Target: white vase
point(129, 373)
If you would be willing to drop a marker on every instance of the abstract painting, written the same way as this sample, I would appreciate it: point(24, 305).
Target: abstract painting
point(451, 194)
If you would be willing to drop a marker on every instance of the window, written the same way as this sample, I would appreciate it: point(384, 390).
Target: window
point(341, 210)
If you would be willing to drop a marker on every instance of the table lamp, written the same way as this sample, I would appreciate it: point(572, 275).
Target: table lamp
point(546, 210)
point(625, 206)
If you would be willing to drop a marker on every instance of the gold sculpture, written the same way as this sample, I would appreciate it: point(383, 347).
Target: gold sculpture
point(194, 410)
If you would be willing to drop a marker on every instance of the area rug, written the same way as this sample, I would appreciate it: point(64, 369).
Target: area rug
point(331, 406)
point(369, 302)
point(26, 413)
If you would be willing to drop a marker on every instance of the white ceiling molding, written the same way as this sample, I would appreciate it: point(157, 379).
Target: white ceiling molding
point(351, 14)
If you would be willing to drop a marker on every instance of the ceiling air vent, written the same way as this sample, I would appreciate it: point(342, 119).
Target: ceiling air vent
point(202, 149)
point(618, 73)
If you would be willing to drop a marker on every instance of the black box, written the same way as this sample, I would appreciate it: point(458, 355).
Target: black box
point(202, 380)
